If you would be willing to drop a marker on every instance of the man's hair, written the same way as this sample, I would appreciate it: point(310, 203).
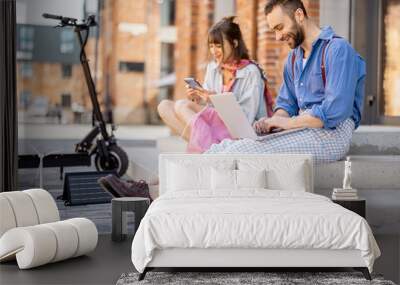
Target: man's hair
point(290, 6)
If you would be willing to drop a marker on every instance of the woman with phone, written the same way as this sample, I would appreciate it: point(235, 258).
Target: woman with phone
point(230, 70)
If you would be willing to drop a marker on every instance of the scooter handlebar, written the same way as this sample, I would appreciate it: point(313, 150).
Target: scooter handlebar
point(58, 17)
point(51, 16)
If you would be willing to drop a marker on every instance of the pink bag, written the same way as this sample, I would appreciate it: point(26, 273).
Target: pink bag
point(207, 128)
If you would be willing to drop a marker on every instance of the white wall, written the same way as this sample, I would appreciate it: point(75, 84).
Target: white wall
point(30, 11)
point(337, 15)
point(224, 8)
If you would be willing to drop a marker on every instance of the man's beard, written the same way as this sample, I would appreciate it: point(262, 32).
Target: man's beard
point(297, 36)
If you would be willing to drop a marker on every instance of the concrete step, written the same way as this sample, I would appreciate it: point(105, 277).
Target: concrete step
point(376, 140)
point(171, 144)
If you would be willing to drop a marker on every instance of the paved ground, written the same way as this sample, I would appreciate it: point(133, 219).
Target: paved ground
point(60, 131)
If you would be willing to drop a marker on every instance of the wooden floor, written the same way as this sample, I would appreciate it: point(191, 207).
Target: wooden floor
point(102, 266)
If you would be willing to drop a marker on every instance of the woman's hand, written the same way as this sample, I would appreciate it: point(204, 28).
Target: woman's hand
point(266, 125)
point(192, 94)
point(196, 95)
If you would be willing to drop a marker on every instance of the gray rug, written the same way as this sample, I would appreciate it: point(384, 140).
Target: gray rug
point(270, 278)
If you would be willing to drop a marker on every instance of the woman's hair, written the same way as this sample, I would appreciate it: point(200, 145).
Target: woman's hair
point(229, 30)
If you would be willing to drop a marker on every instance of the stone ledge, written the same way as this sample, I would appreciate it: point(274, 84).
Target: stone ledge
point(368, 172)
point(367, 140)
point(376, 140)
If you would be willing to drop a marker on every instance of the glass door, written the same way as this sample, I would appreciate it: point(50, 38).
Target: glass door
point(375, 33)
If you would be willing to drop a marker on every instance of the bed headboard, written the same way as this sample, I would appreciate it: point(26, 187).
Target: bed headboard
point(284, 168)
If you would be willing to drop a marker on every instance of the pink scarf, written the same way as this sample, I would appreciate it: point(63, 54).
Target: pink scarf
point(232, 67)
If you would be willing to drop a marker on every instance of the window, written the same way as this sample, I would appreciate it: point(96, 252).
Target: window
point(67, 41)
point(26, 69)
point(167, 58)
point(166, 92)
point(26, 37)
point(131, 66)
point(66, 100)
point(167, 8)
point(24, 99)
point(66, 70)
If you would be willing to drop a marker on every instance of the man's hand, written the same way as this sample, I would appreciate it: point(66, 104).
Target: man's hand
point(266, 125)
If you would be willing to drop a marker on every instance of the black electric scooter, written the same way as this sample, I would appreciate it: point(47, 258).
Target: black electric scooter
point(98, 142)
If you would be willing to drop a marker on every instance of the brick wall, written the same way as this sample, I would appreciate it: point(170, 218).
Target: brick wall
point(193, 20)
point(126, 88)
point(204, 22)
point(185, 47)
point(246, 18)
point(134, 94)
point(152, 58)
point(47, 81)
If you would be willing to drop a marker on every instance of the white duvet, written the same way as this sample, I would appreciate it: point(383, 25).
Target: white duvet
point(250, 219)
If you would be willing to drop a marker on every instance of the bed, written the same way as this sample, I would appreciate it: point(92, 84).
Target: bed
point(246, 211)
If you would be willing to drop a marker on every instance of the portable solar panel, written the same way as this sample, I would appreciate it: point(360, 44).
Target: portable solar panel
point(81, 188)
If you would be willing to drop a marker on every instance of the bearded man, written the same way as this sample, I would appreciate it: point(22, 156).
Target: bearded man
point(322, 90)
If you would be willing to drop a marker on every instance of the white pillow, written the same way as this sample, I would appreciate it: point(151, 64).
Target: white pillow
point(291, 178)
point(251, 178)
point(188, 175)
point(225, 179)
point(283, 174)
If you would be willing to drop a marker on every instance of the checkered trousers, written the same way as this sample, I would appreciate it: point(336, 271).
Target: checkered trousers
point(324, 145)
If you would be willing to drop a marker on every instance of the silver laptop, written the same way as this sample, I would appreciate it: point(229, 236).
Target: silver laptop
point(235, 120)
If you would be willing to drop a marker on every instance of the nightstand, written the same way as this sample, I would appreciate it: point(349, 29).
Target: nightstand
point(357, 206)
point(138, 205)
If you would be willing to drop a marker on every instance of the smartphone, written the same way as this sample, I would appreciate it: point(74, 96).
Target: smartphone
point(193, 83)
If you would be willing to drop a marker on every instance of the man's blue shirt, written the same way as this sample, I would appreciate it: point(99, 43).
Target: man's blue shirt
point(343, 94)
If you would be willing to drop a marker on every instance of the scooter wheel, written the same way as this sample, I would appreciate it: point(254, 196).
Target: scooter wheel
point(118, 160)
